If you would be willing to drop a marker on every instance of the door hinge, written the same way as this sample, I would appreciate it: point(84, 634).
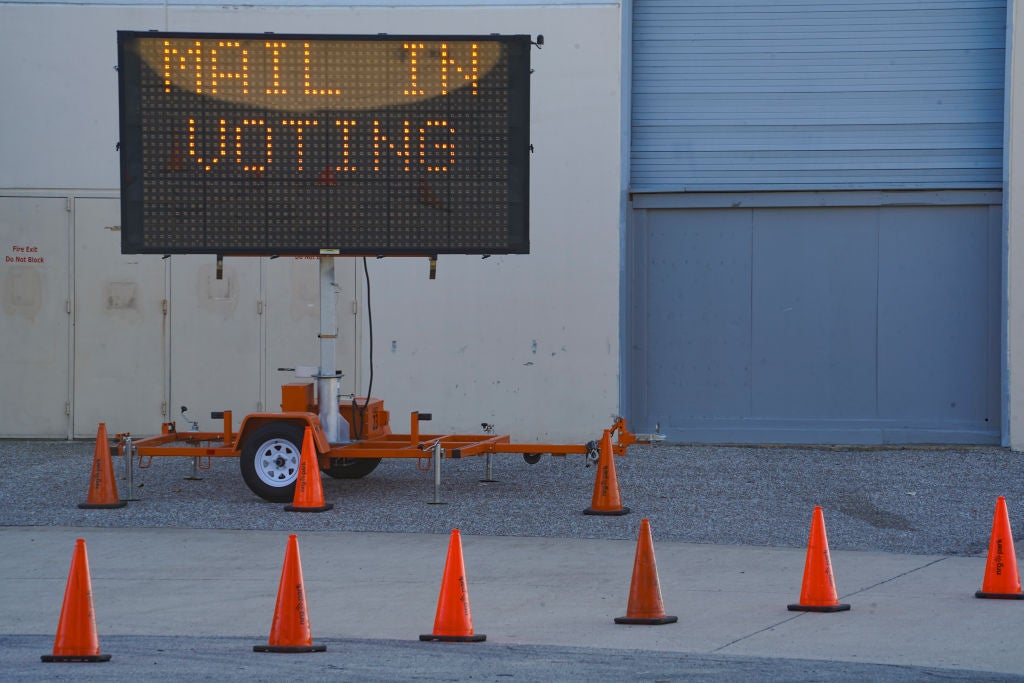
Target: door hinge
point(163, 306)
point(68, 204)
point(163, 408)
point(259, 406)
point(259, 308)
point(67, 305)
point(355, 307)
point(67, 407)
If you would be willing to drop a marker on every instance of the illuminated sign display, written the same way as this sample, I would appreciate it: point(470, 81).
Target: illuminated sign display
point(268, 144)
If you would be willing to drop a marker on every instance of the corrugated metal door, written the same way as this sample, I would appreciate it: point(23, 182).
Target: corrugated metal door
point(855, 324)
point(35, 307)
point(813, 253)
point(757, 94)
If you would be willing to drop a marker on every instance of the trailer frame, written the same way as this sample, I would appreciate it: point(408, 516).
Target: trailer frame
point(366, 418)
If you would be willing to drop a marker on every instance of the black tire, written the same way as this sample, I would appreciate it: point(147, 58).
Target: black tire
point(270, 461)
point(352, 468)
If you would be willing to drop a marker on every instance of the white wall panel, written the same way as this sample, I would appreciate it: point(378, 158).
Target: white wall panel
point(121, 333)
point(60, 93)
point(216, 339)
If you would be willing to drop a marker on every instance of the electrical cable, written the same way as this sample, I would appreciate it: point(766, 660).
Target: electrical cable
point(369, 321)
point(369, 389)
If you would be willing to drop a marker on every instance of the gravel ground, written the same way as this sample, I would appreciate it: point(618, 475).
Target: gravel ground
point(910, 500)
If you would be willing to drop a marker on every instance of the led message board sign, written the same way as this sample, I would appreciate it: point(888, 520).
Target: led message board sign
point(267, 144)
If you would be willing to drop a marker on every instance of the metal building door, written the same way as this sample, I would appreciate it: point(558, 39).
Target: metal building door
point(870, 324)
point(35, 311)
point(120, 373)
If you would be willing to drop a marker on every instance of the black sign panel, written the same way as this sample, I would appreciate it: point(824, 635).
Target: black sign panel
point(269, 144)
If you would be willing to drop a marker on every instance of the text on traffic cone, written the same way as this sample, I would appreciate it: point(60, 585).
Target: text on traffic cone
point(645, 605)
point(606, 499)
point(818, 592)
point(453, 620)
point(76, 639)
point(309, 491)
point(289, 632)
point(1002, 581)
point(102, 485)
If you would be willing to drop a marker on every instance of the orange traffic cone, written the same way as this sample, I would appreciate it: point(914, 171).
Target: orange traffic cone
point(290, 630)
point(606, 499)
point(818, 593)
point(77, 640)
point(102, 486)
point(645, 605)
point(453, 621)
point(1001, 578)
point(309, 491)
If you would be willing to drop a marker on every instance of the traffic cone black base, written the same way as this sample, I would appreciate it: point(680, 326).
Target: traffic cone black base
point(649, 622)
point(620, 511)
point(75, 658)
point(817, 608)
point(102, 506)
point(475, 638)
point(289, 648)
point(999, 596)
point(318, 508)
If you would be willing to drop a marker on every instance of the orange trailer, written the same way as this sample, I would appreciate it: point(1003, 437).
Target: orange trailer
point(269, 445)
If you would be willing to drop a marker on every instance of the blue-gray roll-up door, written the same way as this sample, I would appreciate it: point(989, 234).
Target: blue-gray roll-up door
point(872, 321)
point(766, 94)
point(814, 245)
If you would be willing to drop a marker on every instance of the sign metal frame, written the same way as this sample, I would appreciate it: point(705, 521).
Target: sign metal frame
point(307, 144)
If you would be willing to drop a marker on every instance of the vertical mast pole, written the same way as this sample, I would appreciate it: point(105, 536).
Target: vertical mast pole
point(328, 382)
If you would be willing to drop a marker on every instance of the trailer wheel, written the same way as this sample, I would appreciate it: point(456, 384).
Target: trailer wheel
point(532, 458)
point(352, 468)
point(270, 461)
